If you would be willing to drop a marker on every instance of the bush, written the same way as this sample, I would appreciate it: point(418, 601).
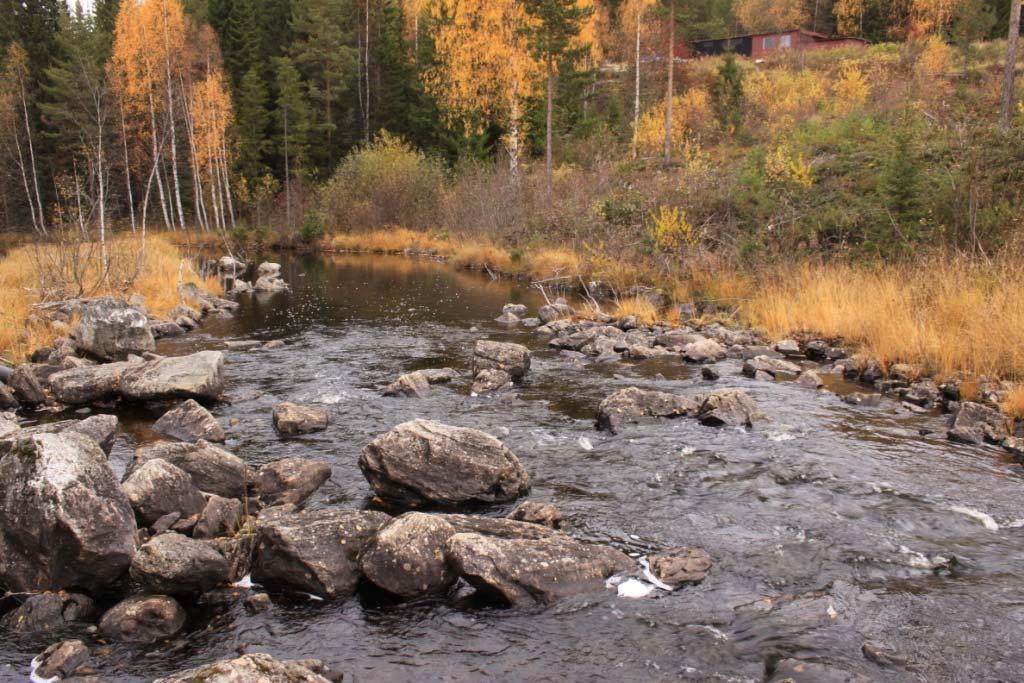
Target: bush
point(312, 227)
point(385, 183)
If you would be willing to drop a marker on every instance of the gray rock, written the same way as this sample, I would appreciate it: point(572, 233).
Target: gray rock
point(811, 379)
point(555, 311)
point(518, 310)
point(290, 481)
point(789, 348)
point(709, 374)
point(220, 517)
point(190, 421)
point(406, 555)
point(270, 284)
point(531, 322)
point(229, 264)
point(273, 344)
point(291, 419)
point(314, 552)
point(704, 351)
point(526, 571)
point(238, 550)
point(418, 383)
point(924, 393)
point(158, 488)
point(7, 399)
point(491, 380)
point(64, 520)
point(143, 619)
point(268, 269)
point(535, 512)
point(772, 366)
point(49, 612)
point(251, 668)
point(858, 398)
point(199, 375)
point(507, 318)
point(240, 287)
point(424, 461)
point(88, 384)
point(30, 382)
point(975, 423)
point(730, 408)
point(111, 329)
point(641, 352)
point(677, 566)
point(491, 355)
point(8, 426)
point(242, 344)
point(797, 671)
point(629, 406)
point(59, 661)
point(178, 565)
point(212, 469)
point(100, 428)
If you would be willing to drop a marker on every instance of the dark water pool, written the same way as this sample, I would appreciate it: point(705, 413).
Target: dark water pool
point(830, 526)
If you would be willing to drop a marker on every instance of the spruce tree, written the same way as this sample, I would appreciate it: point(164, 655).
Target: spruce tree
point(292, 125)
point(251, 123)
point(241, 41)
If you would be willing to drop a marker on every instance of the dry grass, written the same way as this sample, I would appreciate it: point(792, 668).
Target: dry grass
point(548, 262)
point(646, 313)
point(945, 315)
point(1013, 406)
point(31, 274)
point(485, 255)
point(387, 241)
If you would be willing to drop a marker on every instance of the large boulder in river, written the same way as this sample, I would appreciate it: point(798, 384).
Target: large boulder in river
point(314, 552)
point(178, 565)
point(632, 404)
point(111, 329)
point(772, 366)
point(212, 469)
point(100, 428)
point(157, 488)
point(554, 311)
point(88, 384)
point(490, 380)
point(199, 375)
point(49, 611)
point(189, 421)
point(526, 571)
point(229, 264)
point(292, 418)
point(290, 480)
point(143, 619)
point(976, 423)
point(422, 461)
point(704, 351)
point(491, 355)
point(729, 408)
point(418, 383)
point(255, 668)
point(64, 520)
point(406, 556)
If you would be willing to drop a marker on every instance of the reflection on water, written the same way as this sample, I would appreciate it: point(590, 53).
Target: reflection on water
point(825, 524)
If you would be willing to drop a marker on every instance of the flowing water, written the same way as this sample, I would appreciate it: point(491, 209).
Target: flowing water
point(830, 525)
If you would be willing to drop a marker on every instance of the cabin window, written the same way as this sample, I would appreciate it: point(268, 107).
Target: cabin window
point(784, 41)
point(769, 42)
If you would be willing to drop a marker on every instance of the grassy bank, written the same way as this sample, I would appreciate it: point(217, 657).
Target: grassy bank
point(50, 272)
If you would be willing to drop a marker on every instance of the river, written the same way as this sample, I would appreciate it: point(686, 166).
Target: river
point(830, 525)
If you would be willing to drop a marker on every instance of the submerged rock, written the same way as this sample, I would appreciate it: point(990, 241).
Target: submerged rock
point(255, 668)
point(212, 469)
point(111, 329)
point(975, 423)
point(143, 619)
point(491, 355)
point(424, 461)
point(314, 552)
point(64, 520)
point(630, 405)
point(49, 611)
point(536, 512)
point(729, 408)
point(677, 566)
point(526, 571)
point(290, 480)
point(178, 565)
point(292, 419)
point(190, 422)
point(60, 660)
point(158, 488)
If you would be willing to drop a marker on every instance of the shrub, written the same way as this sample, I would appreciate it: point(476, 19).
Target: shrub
point(312, 227)
point(385, 183)
point(670, 231)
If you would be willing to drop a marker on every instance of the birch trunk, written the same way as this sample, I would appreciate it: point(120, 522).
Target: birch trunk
point(32, 158)
point(127, 169)
point(671, 56)
point(636, 85)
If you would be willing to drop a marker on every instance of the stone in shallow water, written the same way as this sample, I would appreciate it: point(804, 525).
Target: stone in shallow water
point(212, 469)
point(48, 612)
point(60, 660)
point(491, 355)
point(290, 480)
point(729, 408)
point(677, 566)
point(143, 619)
point(111, 329)
point(178, 565)
point(292, 418)
point(257, 668)
point(424, 461)
point(158, 488)
point(630, 405)
point(190, 421)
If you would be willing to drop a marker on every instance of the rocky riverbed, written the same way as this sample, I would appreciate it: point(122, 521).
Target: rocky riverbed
point(384, 469)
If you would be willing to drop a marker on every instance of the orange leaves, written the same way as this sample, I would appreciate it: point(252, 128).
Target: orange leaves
point(770, 15)
point(149, 37)
point(212, 116)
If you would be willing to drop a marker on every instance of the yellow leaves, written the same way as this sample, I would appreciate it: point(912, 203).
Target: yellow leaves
point(784, 167)
point(483, 61)
point(930, 16)
point(851, 88)
point(782, 97)
point(849, 14)
point(212, 115)
point(149, 37)
point(691, 115)
point(669, 229)
point(935, 59)
point(770, 15)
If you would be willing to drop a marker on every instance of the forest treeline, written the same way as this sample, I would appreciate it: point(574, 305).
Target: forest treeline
point(230, 115)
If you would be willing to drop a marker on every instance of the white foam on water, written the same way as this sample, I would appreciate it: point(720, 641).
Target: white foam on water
point(921, 561)
point(585, 444)
point(244, 582)
point(35, 678)
point(317, 598)
point(779, 437)
point(986, 519)
point(687, 450)
point(331, 399)
point(646, 566)
point(631, 588)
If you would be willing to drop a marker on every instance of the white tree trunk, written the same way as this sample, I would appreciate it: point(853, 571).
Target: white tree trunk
point(636, 85)
point(32, 158)
point(127, 169)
